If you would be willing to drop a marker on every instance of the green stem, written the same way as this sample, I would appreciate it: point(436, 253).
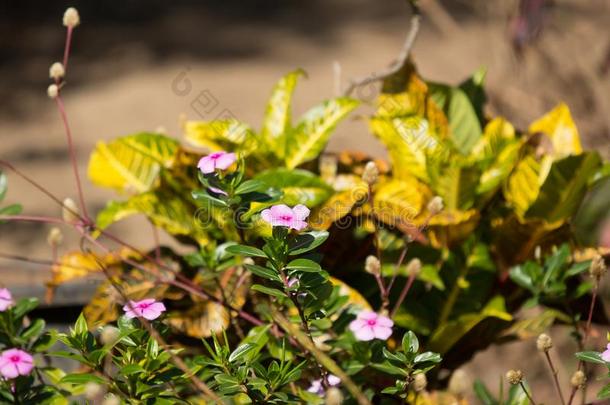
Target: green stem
point(453, 295)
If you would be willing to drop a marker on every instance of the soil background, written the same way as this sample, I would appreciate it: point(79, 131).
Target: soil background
point(139, 65)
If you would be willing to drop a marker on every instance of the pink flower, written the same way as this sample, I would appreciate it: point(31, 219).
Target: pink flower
point(606, 354)
point(147, 308)
point(15, 362)
point(369, 325)
point(6, 299)
point(283, 215)
point(217, 160)
point(317, 388)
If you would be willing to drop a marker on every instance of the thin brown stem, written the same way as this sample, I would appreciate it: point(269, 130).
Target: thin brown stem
point(67, 47)
point(400, 60)
point(555, 378)
point(403, 294)
point(527, 394)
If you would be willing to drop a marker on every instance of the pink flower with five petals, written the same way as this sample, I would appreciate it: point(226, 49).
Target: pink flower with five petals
point(283, 215)
point(6, 299)
point(369, 325)
point(15, 362)
point(217, 160)
point(316, 386)
point(148, 309)
point(606, 354)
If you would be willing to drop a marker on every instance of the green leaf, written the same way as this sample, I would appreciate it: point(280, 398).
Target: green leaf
point(34, 330)
point(388, 368)
point(277, 114)
point(590, 357)
point(298, 186)
point(604, 393)
point(463, 120)
point(427, 357)
point(475, 91)
point(564, 187)
point(80, 328)
point(131, 369)
point(305, 242)
point(268, 290)
point(264, 272)
point(226, 135)
point(483, 393)
point(82, 378)
point(207, 199)
point(244, 250)
point(241, 351)
point(410, 343)
point(24, 306)
point(309, 137)
point(3, 185)
point(305, 265)
point(250, 186)
point(132, 162)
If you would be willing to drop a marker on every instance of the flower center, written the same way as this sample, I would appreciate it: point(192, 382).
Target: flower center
point(144, 306)
point(15, 359)
point(371, 322)
point(215, 155)
point(286, 218)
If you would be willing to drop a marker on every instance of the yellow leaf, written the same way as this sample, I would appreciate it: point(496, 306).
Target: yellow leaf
point(132, 163)
point(559, 126)
point(354, 297)
point(523, 185)
point(218, 135)
point(339, 206)
point(201, 320)
point(400, 201)
point(450, 227)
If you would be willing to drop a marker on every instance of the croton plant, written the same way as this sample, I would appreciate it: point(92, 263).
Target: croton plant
point(299, 275)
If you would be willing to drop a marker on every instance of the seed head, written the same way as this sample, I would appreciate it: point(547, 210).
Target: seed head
point(578, 379)
point(71, 17)
point(372, 265)
point(53, 91)
point(371, 173)
point(544, 343)
point(420, 382)
point(70, 211)
point(93, 390)
point(109, 335)
point(57, 71)
point(598, 267)
point(414, 267)
point(514, 377)
point(435, 205)
point(55, 237)
point(459, 383)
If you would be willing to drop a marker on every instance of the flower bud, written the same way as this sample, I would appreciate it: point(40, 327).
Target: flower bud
point(435, 205)
point(248, 260)
point(57, 71)
point(53, 91)
point(55, 237)
point(70, 211)
point(333, 396)
point(538, 253)
point(414, 267)
point(93, 390)
point(420, 382)
point(292, 282)
point(578, 379)
point(372, 265)
point(71, 17)
point(514, 377)
point(544, 343)
point(459, 383)
point(371, 173)
point(598, 267)
point(109, 335)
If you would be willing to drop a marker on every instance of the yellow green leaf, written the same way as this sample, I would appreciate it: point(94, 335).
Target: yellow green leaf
point(523, 185)
point(559, 126)
point(399, 201)
point(310, 135)
point(132, 163)
point(228, 135)
point(337, 207)
point(277, 115)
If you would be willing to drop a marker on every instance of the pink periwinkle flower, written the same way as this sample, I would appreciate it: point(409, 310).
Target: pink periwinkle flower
point(15, 362)
point(148, 309)
point(317, 388)
point(283, 215)
point(217, 160)
point(6, 299)
point(606, 354)
point(369, 325)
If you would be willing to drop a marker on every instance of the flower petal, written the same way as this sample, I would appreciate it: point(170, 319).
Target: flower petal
point(298, 225)
point(365, 334)
point(206, 165)
point(357, 324)
point(9, 371)
point(225, 160)
point(384, 321)
point(281, 210)
point(301, 211)
point(381, 332)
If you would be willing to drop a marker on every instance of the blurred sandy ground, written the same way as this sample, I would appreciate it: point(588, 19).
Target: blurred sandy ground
point(129, 59)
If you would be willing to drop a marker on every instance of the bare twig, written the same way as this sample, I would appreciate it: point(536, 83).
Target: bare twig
point(400, 60)
point(555, 379)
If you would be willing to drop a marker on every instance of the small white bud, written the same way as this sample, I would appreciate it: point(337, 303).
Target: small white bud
point(371, 173)
point(435, 205)
point(538, 253)
point(333, 396)
point(55, 237)
point(420, 382)
point(53, 91)
point(248, 260)
point(71, 17)
point(459, 383)
point(109, 335)
point(544, 343)
point(598, 267)
point(578, 379)
point(57, 71)
point(414, 267)
point(93, 390)
point(70, 211)
point(372, 265)
point(514, 377)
